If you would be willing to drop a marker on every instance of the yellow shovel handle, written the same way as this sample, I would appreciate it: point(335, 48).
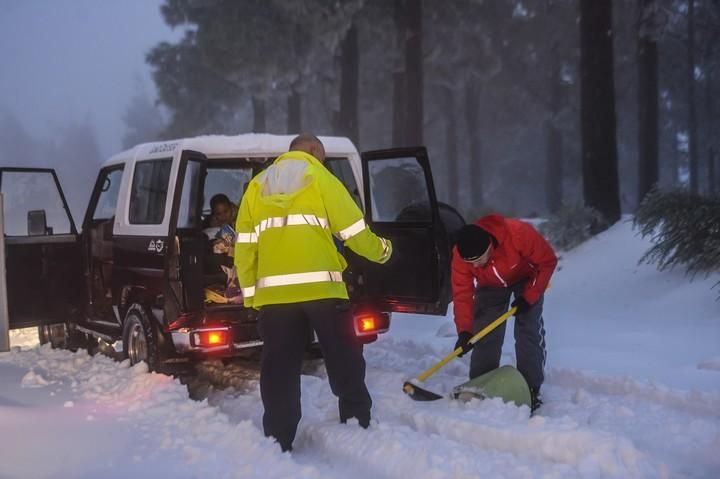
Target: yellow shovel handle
point(484, 332)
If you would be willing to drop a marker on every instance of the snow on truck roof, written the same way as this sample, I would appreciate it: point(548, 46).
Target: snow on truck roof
point(217, 146)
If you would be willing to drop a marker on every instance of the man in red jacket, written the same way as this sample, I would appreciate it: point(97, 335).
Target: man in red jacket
point(495, 258)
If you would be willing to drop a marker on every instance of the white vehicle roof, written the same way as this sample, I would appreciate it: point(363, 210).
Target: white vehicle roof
point(219, 146)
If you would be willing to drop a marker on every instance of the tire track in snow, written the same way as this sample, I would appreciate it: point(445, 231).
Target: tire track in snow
point(676, 427)
point(506, 430)
point(391, 450)
point(572, 432)
point(579, 433)
point(691, 402)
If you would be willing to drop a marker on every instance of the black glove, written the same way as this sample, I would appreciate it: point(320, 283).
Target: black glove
point(521, 304)
point(462, 342)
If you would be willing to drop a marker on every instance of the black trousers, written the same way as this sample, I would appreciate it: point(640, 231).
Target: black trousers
point(285, 329)
point(529, 332)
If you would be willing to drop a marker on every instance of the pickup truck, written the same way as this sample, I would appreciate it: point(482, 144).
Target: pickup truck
point(137, 275)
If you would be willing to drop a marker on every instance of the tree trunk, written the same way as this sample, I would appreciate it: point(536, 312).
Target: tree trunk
point(472, 96)
point(399, 108)
point(414, 70)
point(712, 174)
point(648, 167)
point(676, 159)
point(597, 110)
point(259, 121)
point(451, 147)
point(554, 171)
point(692, 114)
point(293, 116)
point(399, 87)
point(348, 117)
point(710, 137)
point(554, 148)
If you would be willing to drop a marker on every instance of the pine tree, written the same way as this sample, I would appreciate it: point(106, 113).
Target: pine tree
point(685, 228)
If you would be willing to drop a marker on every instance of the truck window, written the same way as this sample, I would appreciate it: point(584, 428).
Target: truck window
point(398, 191)
point(340, 167)
point(149, 191)
point(228, 181)
point(109, 188)
point(25, 191)
point(188, 213)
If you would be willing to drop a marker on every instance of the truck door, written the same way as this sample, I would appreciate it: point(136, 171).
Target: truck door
point(44, 269)
point(190, 245)
point(97, 240)
point(400, 205)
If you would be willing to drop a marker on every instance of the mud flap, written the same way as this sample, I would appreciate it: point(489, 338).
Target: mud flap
point(505, 382)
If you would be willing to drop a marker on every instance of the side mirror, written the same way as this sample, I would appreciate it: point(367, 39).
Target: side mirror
point(37, 224)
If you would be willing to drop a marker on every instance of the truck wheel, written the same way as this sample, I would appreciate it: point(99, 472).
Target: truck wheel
point(140, 338)
point(43, 333)
point(61, 336)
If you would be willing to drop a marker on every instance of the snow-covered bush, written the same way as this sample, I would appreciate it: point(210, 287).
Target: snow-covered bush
point(685, 230)
point(572, 226)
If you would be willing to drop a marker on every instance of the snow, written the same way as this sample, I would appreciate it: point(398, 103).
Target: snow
point(632, 390)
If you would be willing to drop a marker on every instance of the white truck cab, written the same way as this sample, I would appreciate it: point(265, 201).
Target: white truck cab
point(140, 270)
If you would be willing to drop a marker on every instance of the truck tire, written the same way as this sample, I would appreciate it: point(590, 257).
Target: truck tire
point(140, 338)
point(61, 336)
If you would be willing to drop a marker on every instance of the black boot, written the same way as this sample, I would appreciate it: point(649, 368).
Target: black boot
point(535, 399)
point(363, 421)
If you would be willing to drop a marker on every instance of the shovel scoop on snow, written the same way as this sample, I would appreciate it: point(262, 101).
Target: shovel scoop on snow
point(412, 387)
point(505, 383)
point(418, 393)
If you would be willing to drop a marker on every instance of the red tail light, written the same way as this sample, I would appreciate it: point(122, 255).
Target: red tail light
point(211, 338)
point(366, 324)
point(371, 322)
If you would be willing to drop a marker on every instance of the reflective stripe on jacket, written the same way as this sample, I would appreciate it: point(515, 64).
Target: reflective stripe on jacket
point(520, 253)
point(285, 251)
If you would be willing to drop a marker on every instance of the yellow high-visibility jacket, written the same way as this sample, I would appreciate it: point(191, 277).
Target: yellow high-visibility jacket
point(285, 251)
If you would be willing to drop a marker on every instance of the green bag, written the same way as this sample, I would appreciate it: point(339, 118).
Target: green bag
point(505, 382)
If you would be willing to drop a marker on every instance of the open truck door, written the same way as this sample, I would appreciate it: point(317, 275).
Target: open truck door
point(400, 205)
point(186, 235)
point(44, 265)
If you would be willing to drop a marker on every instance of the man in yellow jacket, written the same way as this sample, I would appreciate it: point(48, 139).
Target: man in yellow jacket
point(290, 269)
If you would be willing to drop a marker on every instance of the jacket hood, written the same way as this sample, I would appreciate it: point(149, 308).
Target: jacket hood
point(495, 225)
point(288, 176)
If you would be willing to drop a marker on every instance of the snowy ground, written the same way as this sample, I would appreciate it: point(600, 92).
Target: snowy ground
point(633, 390)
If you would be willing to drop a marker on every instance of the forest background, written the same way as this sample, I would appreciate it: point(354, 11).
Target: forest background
point(510, 97)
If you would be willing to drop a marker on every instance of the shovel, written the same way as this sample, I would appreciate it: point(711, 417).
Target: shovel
point(418, 393)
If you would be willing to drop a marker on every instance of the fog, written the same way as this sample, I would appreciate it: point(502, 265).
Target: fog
point(74, 61)
point(492, 89)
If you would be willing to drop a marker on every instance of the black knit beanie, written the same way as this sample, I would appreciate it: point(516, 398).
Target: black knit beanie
point(472, 241)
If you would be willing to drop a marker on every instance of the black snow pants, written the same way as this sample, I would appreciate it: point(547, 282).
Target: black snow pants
point(529, 332)
point(285, 329)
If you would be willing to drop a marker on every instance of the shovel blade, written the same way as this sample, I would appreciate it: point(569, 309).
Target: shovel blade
point(505, 383)
point(419, 394)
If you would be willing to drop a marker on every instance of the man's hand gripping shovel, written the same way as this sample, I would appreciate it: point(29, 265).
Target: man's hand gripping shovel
point(412, 387)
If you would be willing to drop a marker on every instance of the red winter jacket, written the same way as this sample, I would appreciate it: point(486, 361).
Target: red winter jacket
point(519, 253)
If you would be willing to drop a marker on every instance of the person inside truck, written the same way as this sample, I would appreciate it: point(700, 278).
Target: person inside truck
point(219, 262)
point(290, 270)
point(222, 212)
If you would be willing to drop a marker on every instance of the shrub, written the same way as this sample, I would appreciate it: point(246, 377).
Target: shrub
point(572, 226)
point(685, 230)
